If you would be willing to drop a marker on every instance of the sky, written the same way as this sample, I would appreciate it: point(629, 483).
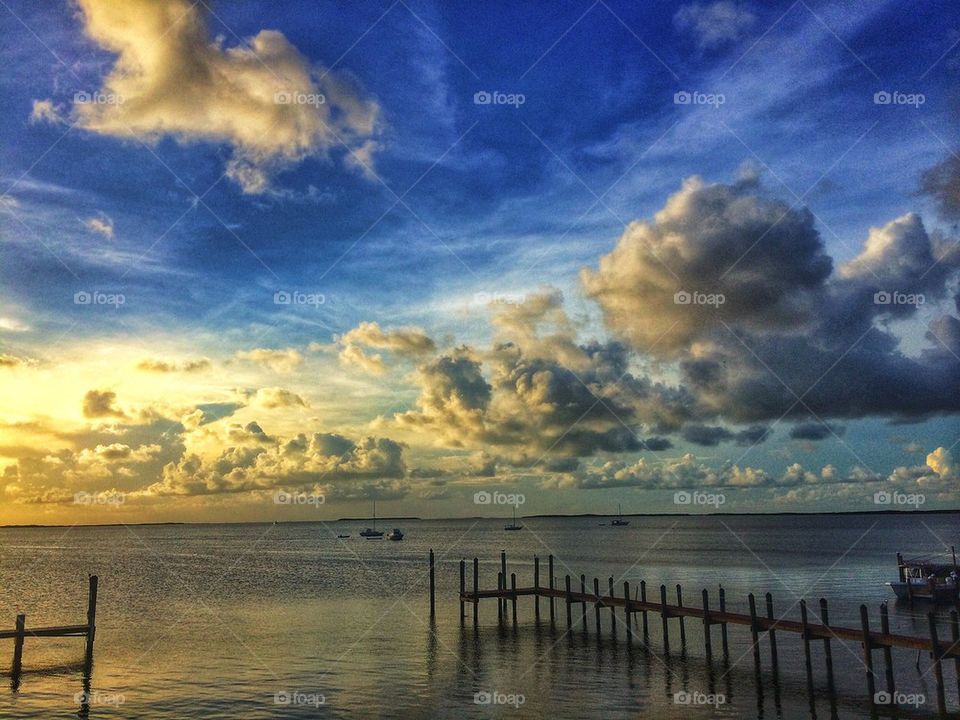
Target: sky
point(267, 261)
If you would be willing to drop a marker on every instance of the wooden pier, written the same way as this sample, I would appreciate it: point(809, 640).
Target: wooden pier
point(507, 593)
point(87, 630)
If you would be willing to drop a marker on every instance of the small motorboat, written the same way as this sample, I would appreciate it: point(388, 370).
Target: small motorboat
point(513, 525)
point(927, 579)
point(619, 522)
point(342, 536)
point(395, 534)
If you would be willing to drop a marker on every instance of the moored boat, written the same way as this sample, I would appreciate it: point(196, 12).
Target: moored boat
point(926, 579)
point(395, 534)
point(619, 522)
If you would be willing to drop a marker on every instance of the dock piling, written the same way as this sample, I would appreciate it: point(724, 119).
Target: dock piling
point(771, 633)
point(955, 634)
point(706, 623)
point(937, 665)
point(626, 611)
point(613, 612)
point(550, 569)
point(663, 618)
point(18, 646)
point(683, 629)
point(723, 625)
point(463, 587)
point(827, 652)
point(643, 599)
point(887, 651)
point(754, 631)
point(583, 602)
point(433, 610)
point(513, 595)
point(597, 604)
point(476, 592)
point(868, 653)
point(536, 587)
point(569, 618)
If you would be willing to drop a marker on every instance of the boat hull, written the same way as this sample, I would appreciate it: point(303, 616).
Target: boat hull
point(939, 595)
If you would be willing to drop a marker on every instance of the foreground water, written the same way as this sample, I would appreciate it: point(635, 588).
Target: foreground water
point(263, 621)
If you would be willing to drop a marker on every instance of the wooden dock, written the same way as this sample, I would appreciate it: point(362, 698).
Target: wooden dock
point(88, 630)
point(872, 640)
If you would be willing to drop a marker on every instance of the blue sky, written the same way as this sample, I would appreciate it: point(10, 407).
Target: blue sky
point(426, 205)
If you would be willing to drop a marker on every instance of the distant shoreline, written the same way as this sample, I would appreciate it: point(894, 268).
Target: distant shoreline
point(497, 517)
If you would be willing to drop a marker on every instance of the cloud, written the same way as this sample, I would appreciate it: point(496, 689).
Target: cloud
point(321, 459)
point(170, 366)
point(714, 24)
point(942, 183)
point(815, 431)
point(403, 342)
point(261, 96)
point(101, 223)
point(9, 324)
point(790, 337)
point(12, 361)
point(100, 403)
point(279, 360)
point(44, 111)
point(941, 462)
point(710, 436)
point(275, 397)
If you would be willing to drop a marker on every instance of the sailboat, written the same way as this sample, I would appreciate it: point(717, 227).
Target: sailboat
point(372, 533)
point(513, 525)
point(619, 522)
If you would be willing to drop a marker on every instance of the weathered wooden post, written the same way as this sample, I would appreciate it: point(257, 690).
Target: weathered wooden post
point(501, 601)
point(955, 632)
point(663, 618)
point(513, 595)
point(805, 630)
point(536, 588)
point(552, 611)
point(706, 623)
point(433, 609)
point(754, 632)
point(627, 620)
point(94, 582)
point(772, 635)
point(476, 591)
point(937, 665)
point(683, 629)
point(867, 653)
point(887, 651)
point(583, 602)
point(596, 603)
point(643, 599)
point(503, 569)
point(463, 587)
point(723, 625)
point(569, 618)
point(827, 652)
point(18, 647)
point(613, 612)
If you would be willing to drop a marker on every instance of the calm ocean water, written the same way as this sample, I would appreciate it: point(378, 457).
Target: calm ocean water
point(214, 621)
